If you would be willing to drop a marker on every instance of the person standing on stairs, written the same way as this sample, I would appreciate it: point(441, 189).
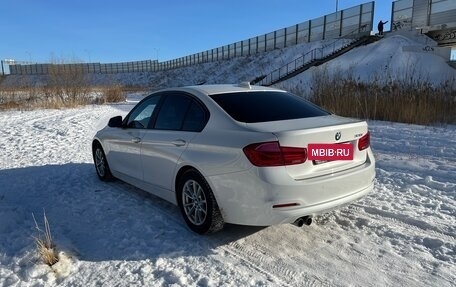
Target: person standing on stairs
point(380, 27)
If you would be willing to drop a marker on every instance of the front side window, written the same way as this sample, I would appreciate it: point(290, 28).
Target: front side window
point(140, 117)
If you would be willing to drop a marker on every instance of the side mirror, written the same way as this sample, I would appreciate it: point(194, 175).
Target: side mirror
point(115, 122)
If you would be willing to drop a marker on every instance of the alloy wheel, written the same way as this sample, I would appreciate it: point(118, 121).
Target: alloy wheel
point(194, 202)
point(100, 162)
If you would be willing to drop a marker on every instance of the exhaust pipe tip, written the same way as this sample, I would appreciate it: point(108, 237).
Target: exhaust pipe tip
point(307, 220)
point(299, 222)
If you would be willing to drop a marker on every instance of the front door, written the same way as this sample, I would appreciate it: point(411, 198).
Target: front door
point(125, 146)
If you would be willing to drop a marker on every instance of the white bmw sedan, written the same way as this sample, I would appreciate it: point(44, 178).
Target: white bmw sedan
point(237, 154)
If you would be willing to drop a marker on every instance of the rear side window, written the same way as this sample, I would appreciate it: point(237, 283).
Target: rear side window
point(172, 113)
point(181, 112)
point(266, 106)
point(195, 119)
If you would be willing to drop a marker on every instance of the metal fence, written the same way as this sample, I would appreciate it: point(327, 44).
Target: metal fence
point(348, 22)
point(351, 21)
point(423, 14)
point(110, 68)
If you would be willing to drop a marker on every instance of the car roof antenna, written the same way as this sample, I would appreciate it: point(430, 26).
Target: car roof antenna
point(245, 85)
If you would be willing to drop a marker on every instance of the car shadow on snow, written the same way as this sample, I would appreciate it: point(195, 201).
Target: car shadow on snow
point(97, 221)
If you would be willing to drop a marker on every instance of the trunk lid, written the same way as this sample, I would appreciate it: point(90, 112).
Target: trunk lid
point(317, 130)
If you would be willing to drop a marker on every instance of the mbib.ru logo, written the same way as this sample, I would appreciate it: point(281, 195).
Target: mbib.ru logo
point(330, 152)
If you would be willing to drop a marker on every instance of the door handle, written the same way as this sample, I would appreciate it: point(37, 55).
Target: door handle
point(178, 142)
point(135, 140)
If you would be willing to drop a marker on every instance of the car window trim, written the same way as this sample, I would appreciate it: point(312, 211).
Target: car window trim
point(153, 117)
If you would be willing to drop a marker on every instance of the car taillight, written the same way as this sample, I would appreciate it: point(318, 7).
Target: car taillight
point(272, 154)
point(364, 141)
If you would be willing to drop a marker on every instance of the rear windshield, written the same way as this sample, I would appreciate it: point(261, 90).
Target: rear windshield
point(266, 106)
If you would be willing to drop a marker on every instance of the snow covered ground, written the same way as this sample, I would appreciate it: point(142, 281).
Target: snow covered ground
point(401, 234)
point(112, 234)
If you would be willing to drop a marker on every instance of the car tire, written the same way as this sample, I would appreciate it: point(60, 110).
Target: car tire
point(101, 164)
point(197, 204)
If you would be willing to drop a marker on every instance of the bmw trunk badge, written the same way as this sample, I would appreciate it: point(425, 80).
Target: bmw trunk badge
point(338, 135)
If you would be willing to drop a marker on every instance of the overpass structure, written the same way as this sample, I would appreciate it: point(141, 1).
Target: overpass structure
point(435, 18)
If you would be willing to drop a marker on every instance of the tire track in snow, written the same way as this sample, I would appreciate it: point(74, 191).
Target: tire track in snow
point(281, 270)
point(216, 242)
point(399, 229)
point(248, 261)
point(44, 136)
point(280, 274)
point(406, 222)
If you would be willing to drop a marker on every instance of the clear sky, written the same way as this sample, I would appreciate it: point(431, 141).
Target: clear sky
point(120, 30)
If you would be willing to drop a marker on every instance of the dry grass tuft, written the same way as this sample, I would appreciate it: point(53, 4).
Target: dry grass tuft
point(44, 244)
point(66, 87)
point(114, 94)
point(53, 96)
point(63, 89)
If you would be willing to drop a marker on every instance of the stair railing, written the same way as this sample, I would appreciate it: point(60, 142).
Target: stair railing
point(305, 59)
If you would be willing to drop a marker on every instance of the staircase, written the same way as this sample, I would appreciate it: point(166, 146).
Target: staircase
point(452, 64)
point(313, 58)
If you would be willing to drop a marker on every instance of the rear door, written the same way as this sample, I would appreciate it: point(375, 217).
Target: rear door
point(178, 121)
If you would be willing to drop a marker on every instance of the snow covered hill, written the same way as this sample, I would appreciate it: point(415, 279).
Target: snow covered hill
point(401, 234)
point(403, 57)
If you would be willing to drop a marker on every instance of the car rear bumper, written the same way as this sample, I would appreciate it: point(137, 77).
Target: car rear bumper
point(249, 197)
